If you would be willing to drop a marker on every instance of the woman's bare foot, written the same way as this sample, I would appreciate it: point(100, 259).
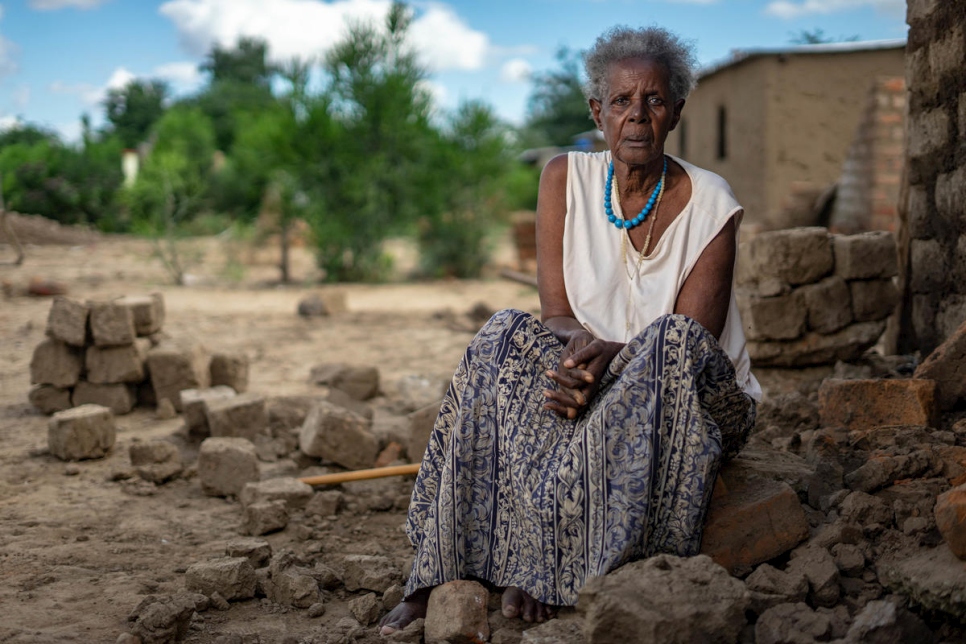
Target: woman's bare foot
point(518, 603)
point(405, 612)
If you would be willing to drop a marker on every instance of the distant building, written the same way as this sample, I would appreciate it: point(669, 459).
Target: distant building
point(778, 123)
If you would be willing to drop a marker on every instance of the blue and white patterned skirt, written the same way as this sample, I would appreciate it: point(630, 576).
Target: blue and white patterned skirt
point(513, 494)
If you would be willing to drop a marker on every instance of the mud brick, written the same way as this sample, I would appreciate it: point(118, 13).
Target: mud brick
point(55, 363)
point(147, 312)
point(49, 399)
point(829, 304)
point(338, 435)
point(257, 551)
point(457, 613)
point(292, 492)
point(947, 367)
point(867, 404)
point(112, 324)
point(119, 398)
point(873, 299)
point(774, 318)
point(421, 424)
point(265, 517)
point(951, 519)
point(369, 572)
point(107, 365)
point(359, 382)
point(231, 370)
point(232, 577)
point(752, 521)
point(67, 321)
point(156, 461)
point(794, 256)
point(193, 403)
point(80, 433)
point(225, 465)
point(239, 416)
point(324, 504)
point(175, 368)
point(871, 255)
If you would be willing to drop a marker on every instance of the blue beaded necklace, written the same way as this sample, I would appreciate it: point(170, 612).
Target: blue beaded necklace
point(641, 216)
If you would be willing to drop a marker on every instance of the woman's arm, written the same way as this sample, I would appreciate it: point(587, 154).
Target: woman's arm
point(706, 293)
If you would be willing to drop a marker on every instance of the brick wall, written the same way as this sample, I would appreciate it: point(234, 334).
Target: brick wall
point(868, 189)
point(932, 238)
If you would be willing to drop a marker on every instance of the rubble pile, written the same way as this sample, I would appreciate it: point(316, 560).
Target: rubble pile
point(807, 297)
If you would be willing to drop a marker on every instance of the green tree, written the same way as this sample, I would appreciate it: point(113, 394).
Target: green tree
point(134, 108)
point(557, 109)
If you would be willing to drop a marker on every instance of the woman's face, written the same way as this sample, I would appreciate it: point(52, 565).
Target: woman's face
point(637, 112)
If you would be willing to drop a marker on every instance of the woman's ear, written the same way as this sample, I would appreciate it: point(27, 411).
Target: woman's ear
point(678, 108)
point(595, 112)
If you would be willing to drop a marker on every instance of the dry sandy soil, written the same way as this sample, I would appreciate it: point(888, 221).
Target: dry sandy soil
point(79, 550)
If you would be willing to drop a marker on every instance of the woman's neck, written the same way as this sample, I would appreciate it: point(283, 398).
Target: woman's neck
point(638, 178)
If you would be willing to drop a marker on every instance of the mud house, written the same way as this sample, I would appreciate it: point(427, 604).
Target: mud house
point(778, 123)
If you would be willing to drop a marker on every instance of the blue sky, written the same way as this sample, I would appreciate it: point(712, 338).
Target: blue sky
point(58, 57)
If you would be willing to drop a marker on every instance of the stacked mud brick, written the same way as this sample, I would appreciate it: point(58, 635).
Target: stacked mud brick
point(95, 353)
point(807, 297)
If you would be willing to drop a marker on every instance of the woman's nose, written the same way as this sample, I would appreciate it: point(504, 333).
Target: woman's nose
point(638, 112)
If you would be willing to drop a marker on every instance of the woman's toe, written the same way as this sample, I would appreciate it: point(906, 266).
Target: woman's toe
point(511, 603)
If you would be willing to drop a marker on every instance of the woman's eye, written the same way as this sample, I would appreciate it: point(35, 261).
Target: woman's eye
point(655, 100)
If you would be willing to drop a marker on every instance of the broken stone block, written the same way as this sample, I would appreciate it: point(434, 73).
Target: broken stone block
point(263, 518)
point(792, 623)
point(415, 391)
point(55, 363)
point(225, 465)
point(107, 365)
point(935, 579)
point(828, 304)
point(457, 613)
point(873, 299)
point(846, 344)
point(290, 583)
point(193, 406)
point(556, 631)
point(230, 370)
point(849, 559)
point(951, 519)
point(946, 365)
point(163, 619)
point(880, 471)
point(241, 416)
point(864, 509)
point(293, 493)
point(823, 575)
point(49, 399)
point(867, 404)
point(794, 256)
point(233, 577)
point(67, 321)
point(367, 609)
point(870, 255)
point(147, 311)
point(664, 599)
point(369, 572)
point(119, 398)
point(393, 596)
point(111, 324)
point(774, 318)
point(340, 398)
point(80, 433)
point(770, 587)
point(257, 551)
point(753, 521)
point(421, 423)
point(883, 621)
point(340, 436)
point(174, 369)
point(361, 383)
point(312, 306)
point(156, 461)
point(324, 504)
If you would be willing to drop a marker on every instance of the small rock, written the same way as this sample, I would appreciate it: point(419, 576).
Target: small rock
point(338, 435)
point(849, 559)
point(165, 410)
point(265, 517)
point(393, 596)
point(864, 509)
point(316, 610)
point(81, 433)
point(163, 620)
point(882, 621)
point(232, 577)
point(791, 623)
point(324, 504)
point(257, 551)
point(360, 382)
point(218, 602)
point(368, 572)
point(951, 519)
point(412, 634)
point(770, 587)
point(312, 307)
point(225, 465)
point(156, 461)
point(823, 575)
point(456, 613)
point(72, 469)
point(293, 493)
point(367, 608)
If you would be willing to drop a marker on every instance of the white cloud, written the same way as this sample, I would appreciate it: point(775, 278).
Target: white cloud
point(306, 28)
point(8, 53)
point(21, 96)
point(180, 73)
point(120, 77)
point(93, 95)
point(516, 70)
point(53, 5)
point(789, 9)
point(8, 122)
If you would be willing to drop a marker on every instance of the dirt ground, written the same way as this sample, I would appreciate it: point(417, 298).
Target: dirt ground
point(79, 550)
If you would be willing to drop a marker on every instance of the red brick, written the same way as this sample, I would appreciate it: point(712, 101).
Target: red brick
point(867, 404)
point(947, 366)
point(752, 521)
point(951, 519)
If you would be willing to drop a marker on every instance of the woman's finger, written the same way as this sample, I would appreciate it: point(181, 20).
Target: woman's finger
point(564, 380)
point(583, 356)
point(566, 412)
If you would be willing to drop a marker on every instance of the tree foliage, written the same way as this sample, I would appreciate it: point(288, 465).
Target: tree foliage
point(557, 109)
point(133, 109)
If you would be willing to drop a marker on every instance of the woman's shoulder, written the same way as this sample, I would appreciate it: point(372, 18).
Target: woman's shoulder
point(587, 160)
point(710, 191)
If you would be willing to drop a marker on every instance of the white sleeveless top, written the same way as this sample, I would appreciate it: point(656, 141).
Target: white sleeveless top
point(603, 297)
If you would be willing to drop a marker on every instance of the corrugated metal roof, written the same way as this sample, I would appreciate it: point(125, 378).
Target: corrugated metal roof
point(741, 55)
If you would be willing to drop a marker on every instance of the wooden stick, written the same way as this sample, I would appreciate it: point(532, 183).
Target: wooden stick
point(361, 475)
point(517, 276)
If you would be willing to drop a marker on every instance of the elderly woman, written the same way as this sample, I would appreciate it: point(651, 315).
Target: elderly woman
point(569, 446)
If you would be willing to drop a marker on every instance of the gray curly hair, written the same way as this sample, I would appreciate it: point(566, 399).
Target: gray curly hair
point(655, 43)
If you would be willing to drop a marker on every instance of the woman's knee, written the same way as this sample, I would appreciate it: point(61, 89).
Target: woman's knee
point(505, 319)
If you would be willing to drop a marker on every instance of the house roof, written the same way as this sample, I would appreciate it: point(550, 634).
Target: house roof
point(741, 55)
